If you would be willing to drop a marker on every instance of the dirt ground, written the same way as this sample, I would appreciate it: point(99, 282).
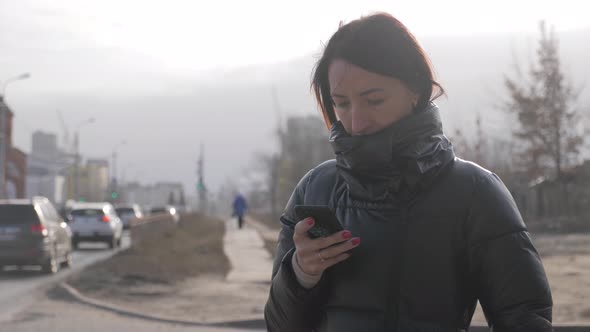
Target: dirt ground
point(567, 262)
point(192, 249)
point(180, 277)
point(158, 274)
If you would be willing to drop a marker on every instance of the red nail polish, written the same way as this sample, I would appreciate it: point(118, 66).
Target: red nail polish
point(356, 241)
point(310, 221)
point(346, 235)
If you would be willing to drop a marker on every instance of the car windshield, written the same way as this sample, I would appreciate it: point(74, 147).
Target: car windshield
point(125, 211)
point(87, 213)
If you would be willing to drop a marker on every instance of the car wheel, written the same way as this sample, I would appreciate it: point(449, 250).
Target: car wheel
point(50, 266)
point(119, 242)
point(112, 243)
point(68, 261)
point(75, 245)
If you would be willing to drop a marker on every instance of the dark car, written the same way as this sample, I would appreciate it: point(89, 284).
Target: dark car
point(33, 233)
point(166, 210)
point(128, 213)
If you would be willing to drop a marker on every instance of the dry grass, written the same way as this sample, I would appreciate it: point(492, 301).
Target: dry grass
point(193, 248)
point(271, 246)
point(267, 219)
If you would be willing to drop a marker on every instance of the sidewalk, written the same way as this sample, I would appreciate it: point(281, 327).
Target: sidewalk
point(250, 261)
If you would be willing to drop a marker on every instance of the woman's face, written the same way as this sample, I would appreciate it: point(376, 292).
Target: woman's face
point(366, 102)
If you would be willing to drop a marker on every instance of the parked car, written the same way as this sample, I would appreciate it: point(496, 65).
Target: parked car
point(95, 222)
point(33, 233)
point(128, 212)
point(166, 209)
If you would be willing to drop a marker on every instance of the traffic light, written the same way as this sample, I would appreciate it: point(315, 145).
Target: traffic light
point(114, 195)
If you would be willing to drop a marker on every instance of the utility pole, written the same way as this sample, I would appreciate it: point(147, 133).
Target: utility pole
point(3, 148)
point(76, 192)
point(76, 164)
point(201, 188)
point(275, 160)
point(114, 194)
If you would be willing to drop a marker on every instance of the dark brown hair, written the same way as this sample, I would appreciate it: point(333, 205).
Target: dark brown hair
point(381, 44)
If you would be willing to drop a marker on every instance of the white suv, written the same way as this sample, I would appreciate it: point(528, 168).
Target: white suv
point(96, 222)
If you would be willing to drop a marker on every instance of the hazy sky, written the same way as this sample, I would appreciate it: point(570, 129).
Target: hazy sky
point(95, 58)
point(188, 34)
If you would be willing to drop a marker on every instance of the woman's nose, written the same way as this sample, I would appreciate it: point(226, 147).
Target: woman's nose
point(361, 122)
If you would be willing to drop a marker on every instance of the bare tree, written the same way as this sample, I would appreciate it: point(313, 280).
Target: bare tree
point(303, 144)
point(544, 104)
point(269, 163)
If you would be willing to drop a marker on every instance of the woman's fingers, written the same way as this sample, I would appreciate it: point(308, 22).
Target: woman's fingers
point(334, 260)
point(325, 242)
point(316, 255)
point(336, 250)
point(301, 228)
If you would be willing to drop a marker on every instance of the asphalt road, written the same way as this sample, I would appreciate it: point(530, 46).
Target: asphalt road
point(19, 288)
point(56, 315)
point(30, 303)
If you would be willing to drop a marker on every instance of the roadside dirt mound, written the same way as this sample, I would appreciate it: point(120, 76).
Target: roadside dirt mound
point(193, 248)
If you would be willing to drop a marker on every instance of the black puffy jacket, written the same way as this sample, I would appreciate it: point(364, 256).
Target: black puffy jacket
point(438, 234)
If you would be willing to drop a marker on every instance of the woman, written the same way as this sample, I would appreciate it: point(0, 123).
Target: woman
point(426, 235)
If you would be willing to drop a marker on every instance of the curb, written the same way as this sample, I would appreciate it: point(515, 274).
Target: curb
point(37, 291)
point(265, 232)
point(252, 324)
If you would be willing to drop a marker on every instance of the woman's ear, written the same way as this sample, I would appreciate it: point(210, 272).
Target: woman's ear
point(415, 98)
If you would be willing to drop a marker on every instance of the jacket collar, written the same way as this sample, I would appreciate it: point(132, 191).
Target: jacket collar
point(398, 160)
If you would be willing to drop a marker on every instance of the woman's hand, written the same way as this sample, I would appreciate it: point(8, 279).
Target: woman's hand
point(314, 256)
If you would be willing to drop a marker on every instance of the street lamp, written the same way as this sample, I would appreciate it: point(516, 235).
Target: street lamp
point(77, 154)
point(20, 77)
point(3, 147)
point(114, 154)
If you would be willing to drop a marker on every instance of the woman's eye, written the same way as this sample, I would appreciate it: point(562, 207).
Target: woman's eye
point(342, 104)
point(375, 102)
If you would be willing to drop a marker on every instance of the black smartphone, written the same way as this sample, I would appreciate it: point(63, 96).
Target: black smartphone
point(326, 222)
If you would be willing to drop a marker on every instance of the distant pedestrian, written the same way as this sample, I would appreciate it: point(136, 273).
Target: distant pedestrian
point(240, 207)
